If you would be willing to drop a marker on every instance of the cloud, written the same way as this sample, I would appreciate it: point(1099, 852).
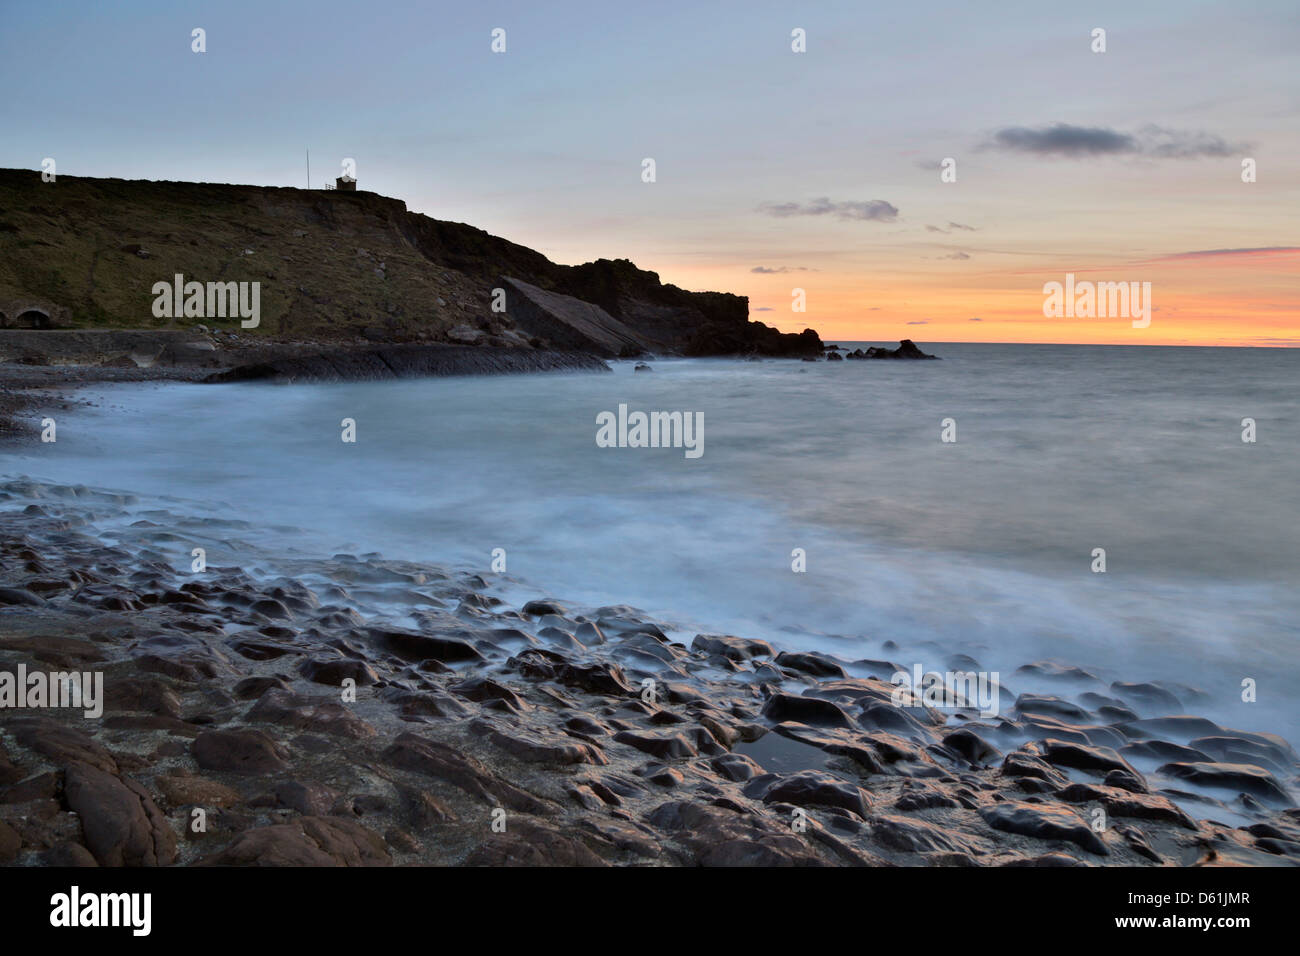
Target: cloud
point(920, 322)
point(766, 271)
point(951, 227)
point(976, 319)
point(873, 210)
point(766, 308)
point(1176, 144)
point(1245, 253)
point(1064, 139)
point(956, 255)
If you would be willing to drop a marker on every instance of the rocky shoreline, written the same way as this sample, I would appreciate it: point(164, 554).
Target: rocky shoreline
point(353, 710)
point(45, 371)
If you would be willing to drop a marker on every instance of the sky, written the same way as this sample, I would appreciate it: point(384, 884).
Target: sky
point(786, 176)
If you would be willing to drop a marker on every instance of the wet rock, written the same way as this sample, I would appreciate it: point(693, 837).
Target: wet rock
point(261, 650)
point(61, 744)
point(121, 823)
point(585, 796)
point(834, 743)
point(666, 777)
point(532, 843)
point(238, 751)
point(1289, 848)
point(1052, 706)
point(1055, 670)
point(925, 797)
point(252, 688)
point(1148, 697)
point(718, 837)
point(310, 841)
point(596, 677)
point(45, 786)
point(401, 841)
point(664, 746)
point(421, 809)
point(1164, 750)
point(810, 788)
point(145, 694)
point(62, 652)
point(1263, 750)
point(20, 597)
point(705, 742)
point(486, 689)
point(732, 648)
point(1124, 803)
point(335, 672)
point(1043, 822)
point(899, 720)
point(1178, 727)
point(917, 836)
point(736, 767)
point(818, 665)
point(586, 725)
point(1043, 727)
point(66, 854)
point(412, 646)
point(1100, 759)
point(308, 798)
point(807, 710)
point(1137, 842)
point(540, 747)
point(624, 836)
point(1021, 763)
point(269, 607)
point(430, 705)
point(891, 749)
point(288, 709)
point(192, 670)
point(431, 758)
point(971, 747)
point(542, 608)
point(1126, 780)
point(1242, 778)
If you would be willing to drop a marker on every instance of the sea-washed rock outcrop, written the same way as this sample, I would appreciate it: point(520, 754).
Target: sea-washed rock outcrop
point(906, 350)
point(408, 361)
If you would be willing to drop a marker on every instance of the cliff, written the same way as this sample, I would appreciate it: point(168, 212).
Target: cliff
point(335, 269)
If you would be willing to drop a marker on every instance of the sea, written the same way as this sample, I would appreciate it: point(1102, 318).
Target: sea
point(1132, 511)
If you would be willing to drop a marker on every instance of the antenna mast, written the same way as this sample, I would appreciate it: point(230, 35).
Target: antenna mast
point(309, 167)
